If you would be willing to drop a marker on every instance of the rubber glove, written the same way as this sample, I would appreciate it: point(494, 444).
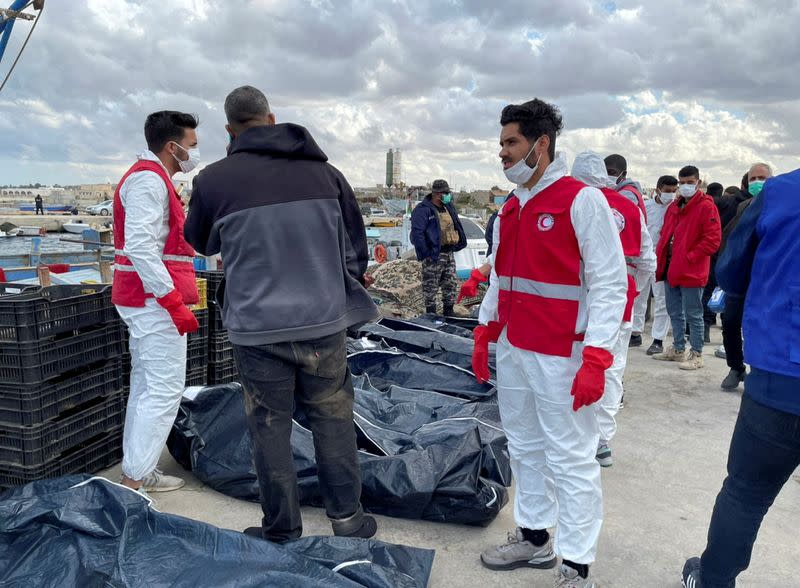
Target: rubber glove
point(484, 334)
point(184, 319)
point(590, 381)
point(469, 289)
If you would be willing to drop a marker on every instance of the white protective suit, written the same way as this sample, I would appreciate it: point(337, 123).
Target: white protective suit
point(158, 352)
point(590, 169)
point(552, 447)
point(661, 322)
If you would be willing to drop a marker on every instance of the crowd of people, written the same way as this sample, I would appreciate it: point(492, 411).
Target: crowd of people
point(574, 258)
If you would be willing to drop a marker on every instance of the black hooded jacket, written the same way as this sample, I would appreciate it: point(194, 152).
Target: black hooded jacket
point(292, 238)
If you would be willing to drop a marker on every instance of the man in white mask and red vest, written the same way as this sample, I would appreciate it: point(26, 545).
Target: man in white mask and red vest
point(154, 281)
point(640, 257)
point(555, 305)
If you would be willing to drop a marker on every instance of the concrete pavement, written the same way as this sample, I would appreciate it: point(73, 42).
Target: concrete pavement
point(670, 456)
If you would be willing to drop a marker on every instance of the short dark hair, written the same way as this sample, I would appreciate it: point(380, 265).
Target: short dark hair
point(666, 181)
point(245, 104)
point(688, 171)
point(535, 118)
point(616, 162)
point(731, 190)
point(167, 125)
point(746, 181)
point(714, 189)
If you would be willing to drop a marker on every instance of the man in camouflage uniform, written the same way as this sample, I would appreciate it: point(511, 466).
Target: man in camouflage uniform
point(437, 233)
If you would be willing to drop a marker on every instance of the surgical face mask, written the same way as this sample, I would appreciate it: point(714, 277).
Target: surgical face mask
point(447, 198)
point(687, 190)
point(666, 197)
point(191, 163)
point(755, 187)
point(521, 172)
point(614, 179)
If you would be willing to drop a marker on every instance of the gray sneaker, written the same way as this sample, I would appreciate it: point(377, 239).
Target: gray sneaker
point(569, 578)
point(157, 481)
point(519, 553)
point(603, 455)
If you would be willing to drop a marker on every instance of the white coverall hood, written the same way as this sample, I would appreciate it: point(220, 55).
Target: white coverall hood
point(590, 169)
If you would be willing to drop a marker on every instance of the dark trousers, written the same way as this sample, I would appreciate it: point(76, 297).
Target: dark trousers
point(732, 331)
point(314, 375)
point(39, 209)
point(764, 452)
point(710, 317)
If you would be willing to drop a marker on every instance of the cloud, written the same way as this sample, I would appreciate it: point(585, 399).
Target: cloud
point(665, 83)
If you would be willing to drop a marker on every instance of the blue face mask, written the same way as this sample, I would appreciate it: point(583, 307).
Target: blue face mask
point(755, 187)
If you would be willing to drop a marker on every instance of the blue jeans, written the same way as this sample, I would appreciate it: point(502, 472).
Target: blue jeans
point(764, 452)
point(685, 305)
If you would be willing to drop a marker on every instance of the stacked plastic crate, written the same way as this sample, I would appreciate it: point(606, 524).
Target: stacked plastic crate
point(221, 366)
point(62, 404)
point(196, 344)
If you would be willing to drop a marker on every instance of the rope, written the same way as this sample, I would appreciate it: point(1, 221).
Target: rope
point(25, 44)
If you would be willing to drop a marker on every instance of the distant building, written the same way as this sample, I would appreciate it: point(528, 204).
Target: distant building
point(394, 168)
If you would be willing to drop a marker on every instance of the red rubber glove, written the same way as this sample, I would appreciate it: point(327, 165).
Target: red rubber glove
point(590, 381)
point(469, 289)
point(484, 334)
point(184, 319)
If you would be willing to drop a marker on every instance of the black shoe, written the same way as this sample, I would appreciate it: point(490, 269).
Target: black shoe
point(655, 348)
point(357, 525)
point(448, 311)
point(707, 334)
point(258, 533)
point(733, 379)
point(690, 578)
point(430, 309)
point(636, 341)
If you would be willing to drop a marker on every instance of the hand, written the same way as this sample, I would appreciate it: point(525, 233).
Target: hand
point(181, 316)
point(368, 280)
point(484, 334)
point(590, 381)
point(469, 289)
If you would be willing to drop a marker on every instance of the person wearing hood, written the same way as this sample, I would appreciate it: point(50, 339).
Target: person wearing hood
point(617, 170)
point(554, 305)
point(294, 250)
point(641, 263)
point(437, 233)
point(154, 281)
point(666, 186)
point(690, 236)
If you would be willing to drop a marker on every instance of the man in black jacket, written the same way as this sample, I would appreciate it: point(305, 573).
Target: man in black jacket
point(437, 233)
point(734, 305)
point(294, 250)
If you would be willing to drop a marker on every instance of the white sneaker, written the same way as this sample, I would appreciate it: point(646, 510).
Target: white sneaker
point(157, 481)
point(569, 578)
point(518, 553)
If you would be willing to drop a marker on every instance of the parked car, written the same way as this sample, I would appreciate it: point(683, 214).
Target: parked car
point(103, 209)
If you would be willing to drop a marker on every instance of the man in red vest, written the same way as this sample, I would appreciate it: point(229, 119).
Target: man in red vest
point(154, 281)
point(641, 262)
point(554, 304)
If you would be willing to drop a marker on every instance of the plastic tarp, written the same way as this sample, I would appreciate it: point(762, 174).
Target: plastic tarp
point(424, 454)
point(89, 532)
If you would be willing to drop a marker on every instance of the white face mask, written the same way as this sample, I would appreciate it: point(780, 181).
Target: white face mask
point(521, 172)
point(666, 197)
point(614, 179)
point(192, 162)
point(687, 190)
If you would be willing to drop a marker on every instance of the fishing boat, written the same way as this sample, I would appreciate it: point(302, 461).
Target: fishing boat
point(77, 227)
point(31, 231)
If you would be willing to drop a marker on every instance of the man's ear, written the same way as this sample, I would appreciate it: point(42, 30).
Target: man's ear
point(230, 130)
point(271, 118)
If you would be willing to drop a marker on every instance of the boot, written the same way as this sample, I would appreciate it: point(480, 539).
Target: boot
point(430, 309)
point(448, 310)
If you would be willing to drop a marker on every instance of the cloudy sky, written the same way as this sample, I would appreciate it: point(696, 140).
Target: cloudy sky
point(664, 82)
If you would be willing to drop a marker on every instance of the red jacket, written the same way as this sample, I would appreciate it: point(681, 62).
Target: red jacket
point(694, 231)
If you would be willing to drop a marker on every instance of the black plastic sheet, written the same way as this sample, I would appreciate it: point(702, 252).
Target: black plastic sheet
point(88, 532)
point(424, 454)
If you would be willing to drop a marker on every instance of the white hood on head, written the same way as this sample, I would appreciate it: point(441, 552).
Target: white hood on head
point(590, 169)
